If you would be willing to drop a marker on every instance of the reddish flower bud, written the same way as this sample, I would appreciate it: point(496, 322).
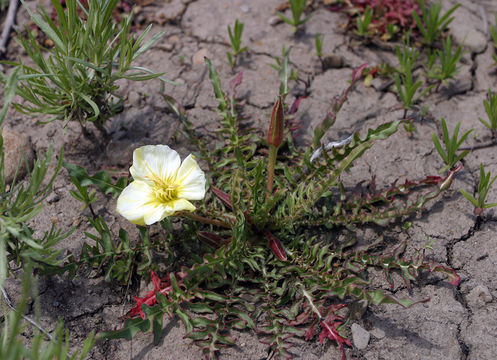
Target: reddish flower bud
point(275, 133)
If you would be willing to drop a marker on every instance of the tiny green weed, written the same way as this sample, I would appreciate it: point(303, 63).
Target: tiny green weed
point(235, 36)
point(447, 67)
point(493, 34)
point(406, 84)
point(363, 22)
point(90, 54)
point(484, 186)
point(318, 43)
point(452, 145)
point(490, 105)
point(432, 23)
point(297, 8)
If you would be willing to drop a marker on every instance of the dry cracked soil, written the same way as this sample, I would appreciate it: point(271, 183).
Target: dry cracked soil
point(457, 323)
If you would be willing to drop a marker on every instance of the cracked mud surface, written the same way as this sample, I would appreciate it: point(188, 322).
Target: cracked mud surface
point(457, 323)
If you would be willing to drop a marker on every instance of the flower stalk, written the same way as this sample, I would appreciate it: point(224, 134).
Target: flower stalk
point(205, 220)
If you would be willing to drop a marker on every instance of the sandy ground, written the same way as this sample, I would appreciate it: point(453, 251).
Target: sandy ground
point(457, 323)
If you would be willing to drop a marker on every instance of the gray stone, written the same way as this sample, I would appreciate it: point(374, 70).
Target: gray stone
point(16, 148)
point(464, 31)
point(360, 336)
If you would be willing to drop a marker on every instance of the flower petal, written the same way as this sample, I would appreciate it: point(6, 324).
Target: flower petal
point(136, 202)
point(181, 205)
point(152, 161)
point(191, 179)
point(168, 209)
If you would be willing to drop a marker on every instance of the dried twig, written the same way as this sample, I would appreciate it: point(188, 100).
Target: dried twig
point(9, 23)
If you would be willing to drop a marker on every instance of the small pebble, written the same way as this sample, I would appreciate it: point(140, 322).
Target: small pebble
point(360, 336)
point(134, 98)
point(332, 62)
point(198, 57)
point(55, 304)
point(245, 8)
point(274, 20)
point(53, 198)
point(378, 333)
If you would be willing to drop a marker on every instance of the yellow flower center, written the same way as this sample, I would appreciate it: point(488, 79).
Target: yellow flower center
point(168, 193)
point(164, 190)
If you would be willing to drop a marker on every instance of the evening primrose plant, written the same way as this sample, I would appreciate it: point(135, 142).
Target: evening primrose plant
point(252, 219)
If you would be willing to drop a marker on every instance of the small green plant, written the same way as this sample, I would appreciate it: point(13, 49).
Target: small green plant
point(432, 23)
point(484, 186)
point(285, 73)
point(20, 202)
point(447, 68)
point(91, 52)
point(406, 84)
point(235, 36)
point(392, 30)
point(297, 8)
point(409, 127)
point(363, 22)
point(490, 105)
point(452, 145)
point(493, 34)
point(318, 42)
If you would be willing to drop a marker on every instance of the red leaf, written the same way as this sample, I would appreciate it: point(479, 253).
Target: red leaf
point(236, 81)
point(357, 72)
point(330, 331)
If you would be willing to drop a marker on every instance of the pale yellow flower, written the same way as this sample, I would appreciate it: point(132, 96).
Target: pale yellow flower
point(162, 185)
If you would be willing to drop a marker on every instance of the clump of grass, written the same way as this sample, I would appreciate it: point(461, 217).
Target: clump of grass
point(235, 35)
point(432, 23)
point(297, 8)
point(490, 105)
point(77, 81)
point(484, 186)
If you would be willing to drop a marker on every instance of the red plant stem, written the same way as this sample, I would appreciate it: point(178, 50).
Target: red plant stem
point(205, 220)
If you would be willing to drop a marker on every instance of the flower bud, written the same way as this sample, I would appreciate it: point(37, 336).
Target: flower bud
point(275, 134)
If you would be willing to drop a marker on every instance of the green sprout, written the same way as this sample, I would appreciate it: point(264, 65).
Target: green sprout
point(452, 144)
point(491, 109)
point(447, 68)
point(433, 24)
point(363, 22)
point(91, 52)
point(297, 8)
point(493, 34)
point(392, 29)
point(285, 73)
point(409, 127)
point(406, 84)
point(483, 187)
point(319, 45)
point(235, 42)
